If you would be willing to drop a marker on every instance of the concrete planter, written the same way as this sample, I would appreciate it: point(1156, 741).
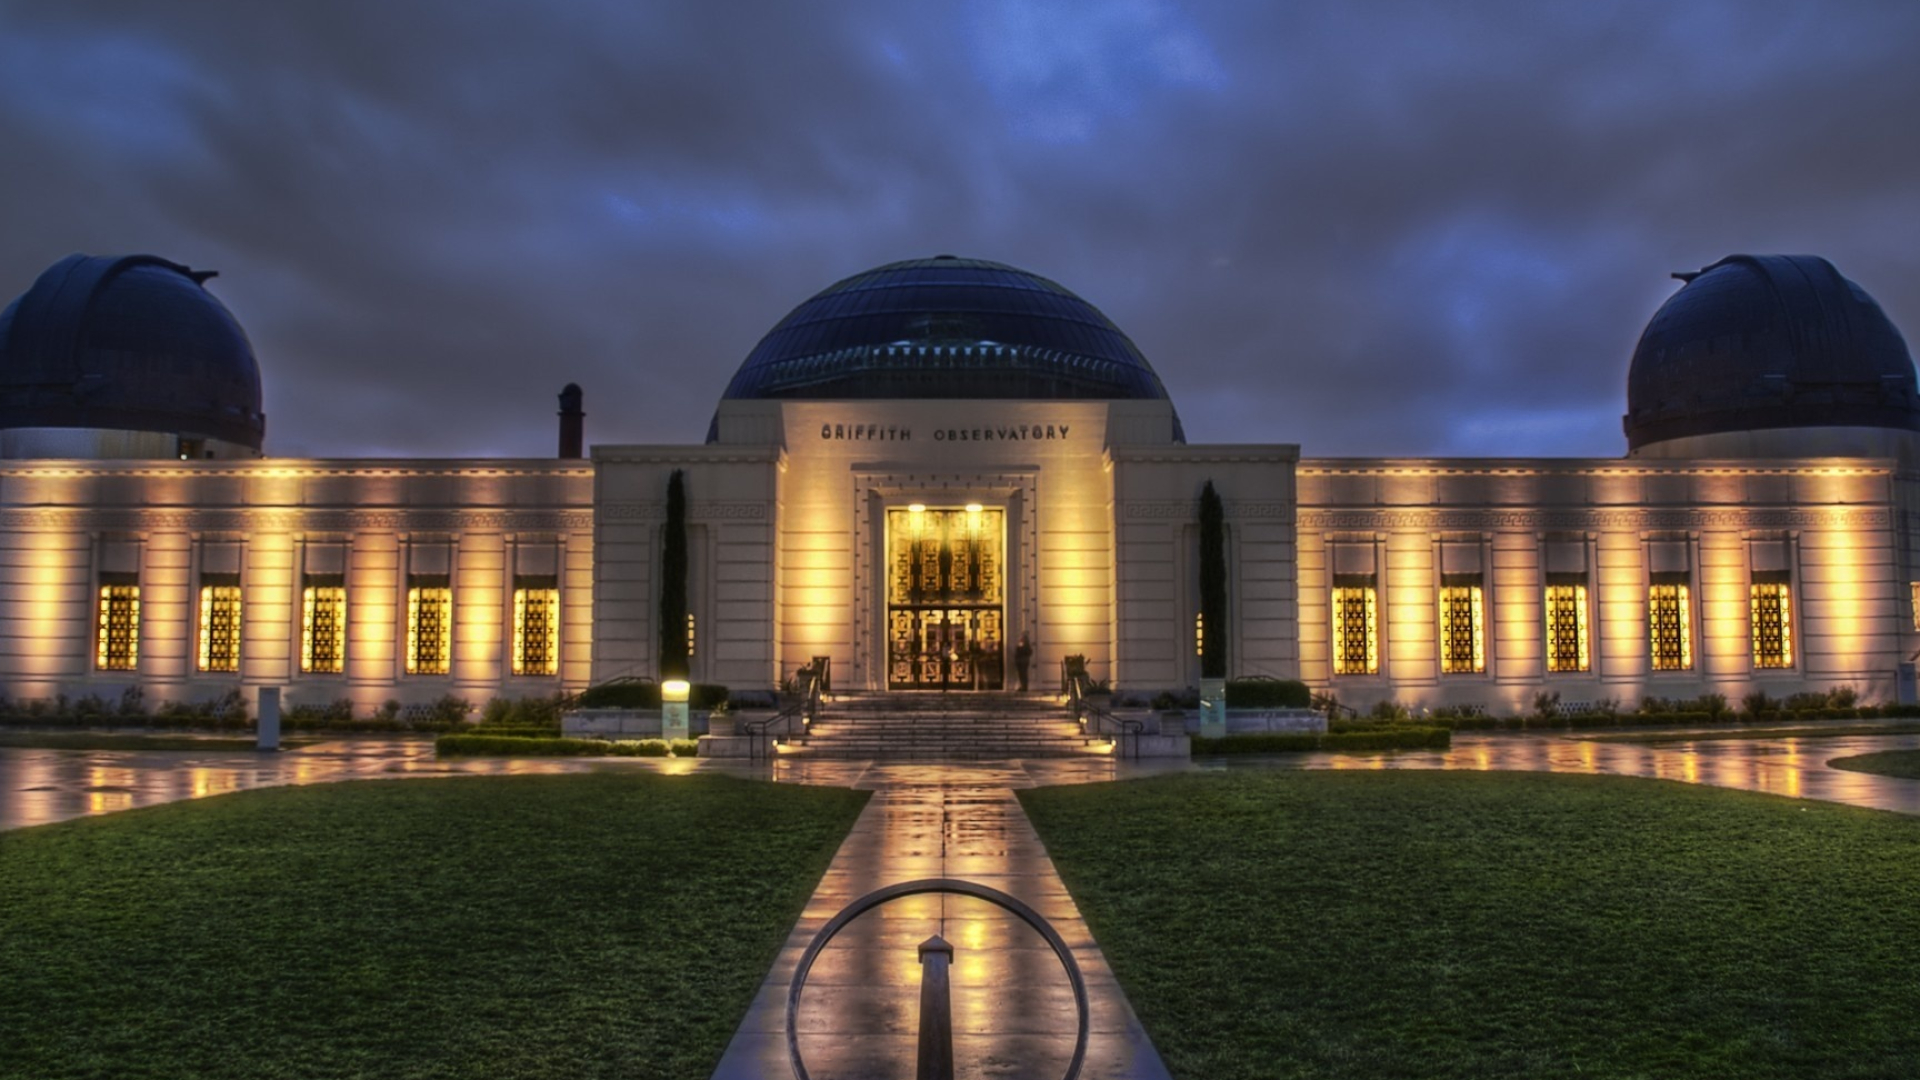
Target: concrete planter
point(736, 746)
point(623, 723)
point(1275, 721)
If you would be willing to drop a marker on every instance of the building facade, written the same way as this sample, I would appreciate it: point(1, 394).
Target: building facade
point(926, 462)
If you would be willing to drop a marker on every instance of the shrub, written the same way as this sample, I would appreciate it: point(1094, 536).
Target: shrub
point(1758, 702)
point(537, 713)
point(1268, 694)
point(1177, 699)
point(1546, 706)
point(459, 745)
point(1389, 710)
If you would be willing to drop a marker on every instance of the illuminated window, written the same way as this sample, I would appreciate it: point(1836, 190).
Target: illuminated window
point(219, 627)
point(1462, 630)
point(1567, 628)
point(536, 631)
point(1913, 594)
point(119, 642)
point(1669, 627)
point(1199, 634)
point(323, 629)
point(429, 630)
point(1772, 625)
point(691, 636)
point(1356, 648)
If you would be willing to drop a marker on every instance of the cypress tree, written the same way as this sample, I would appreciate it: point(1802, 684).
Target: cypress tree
point(1213, 585)
point(673, 582)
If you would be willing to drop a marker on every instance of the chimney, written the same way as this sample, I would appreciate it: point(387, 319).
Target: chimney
point(572, 422)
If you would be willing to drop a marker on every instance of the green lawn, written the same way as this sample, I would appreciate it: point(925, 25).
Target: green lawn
point(1458, 924)
point(1904, 764)
point(599, 925)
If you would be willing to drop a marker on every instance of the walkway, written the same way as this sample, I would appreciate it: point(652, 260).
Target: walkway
point(1013, 1010)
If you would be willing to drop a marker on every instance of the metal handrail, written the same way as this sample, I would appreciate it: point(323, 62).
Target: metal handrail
point(1104, 722)
point(806, 710)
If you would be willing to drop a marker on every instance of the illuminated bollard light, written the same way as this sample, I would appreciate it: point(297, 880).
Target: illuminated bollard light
point(673, 709)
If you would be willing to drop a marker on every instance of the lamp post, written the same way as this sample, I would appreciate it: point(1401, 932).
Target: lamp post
point(673, 709)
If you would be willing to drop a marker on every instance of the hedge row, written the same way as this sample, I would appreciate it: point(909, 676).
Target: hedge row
point(1268, 694)
point(1689, 718)
point(519, 746)
point(1398, 737)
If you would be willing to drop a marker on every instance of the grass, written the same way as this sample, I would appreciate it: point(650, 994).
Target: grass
point(594, 925)
point(1904, 764)
point(1453, 924)
point(110, 740)
point(1823, 731)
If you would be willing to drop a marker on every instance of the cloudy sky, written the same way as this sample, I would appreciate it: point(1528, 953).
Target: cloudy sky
point(1371, 228)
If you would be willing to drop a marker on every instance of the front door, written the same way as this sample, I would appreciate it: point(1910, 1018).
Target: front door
point(945, 606)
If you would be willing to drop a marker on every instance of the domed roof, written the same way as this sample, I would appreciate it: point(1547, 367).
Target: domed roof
point(946, 327)
point(132, 343)
point(1768, 341)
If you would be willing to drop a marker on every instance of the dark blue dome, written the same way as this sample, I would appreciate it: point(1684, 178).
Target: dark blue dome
point(133, 343)
point(1768, 341)
point(946, 328)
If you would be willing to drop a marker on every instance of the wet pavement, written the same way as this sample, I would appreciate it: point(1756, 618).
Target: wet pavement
point(1013, 1009)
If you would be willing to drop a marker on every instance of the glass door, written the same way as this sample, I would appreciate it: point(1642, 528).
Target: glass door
point(945, 597)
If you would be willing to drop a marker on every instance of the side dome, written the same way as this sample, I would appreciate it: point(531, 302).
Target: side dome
point(946, 327)
point(131, 346)
point(1761, 342)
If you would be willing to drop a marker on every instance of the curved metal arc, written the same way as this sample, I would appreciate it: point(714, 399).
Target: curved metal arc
point(937, 885)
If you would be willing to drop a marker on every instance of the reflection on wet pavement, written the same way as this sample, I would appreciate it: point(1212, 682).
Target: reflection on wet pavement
point(39, 786)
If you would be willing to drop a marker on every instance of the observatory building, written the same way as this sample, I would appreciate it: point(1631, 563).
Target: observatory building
point(923, 463)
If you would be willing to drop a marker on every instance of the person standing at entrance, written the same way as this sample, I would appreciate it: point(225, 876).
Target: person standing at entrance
point(1022, 659)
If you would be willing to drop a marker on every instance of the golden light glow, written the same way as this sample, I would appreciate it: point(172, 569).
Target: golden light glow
point(1913, 593)
point(323, 629)
point(118, 646)
point(1669, 628)
point(675, 690)
point(692, 638)
point(1356, 637)
point(1199, 633)
point(1567, 648)
point(1772, 609)
point(1463, 647)
point(974, 508)
point(429, 631)
point(219, 628)
point(916, 508)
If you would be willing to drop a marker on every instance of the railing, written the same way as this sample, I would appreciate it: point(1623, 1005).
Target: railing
point(1093, 719)
point(803, 710)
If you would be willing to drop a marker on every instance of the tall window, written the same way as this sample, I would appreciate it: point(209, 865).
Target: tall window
point(1772, 624)
point(119, 636)
point(1462, 629)
point(1669, 626)
point(1356, 636)
point(429, 629)
point(323, 627)
point(219, 624)
point(536, 631)
point(1567, 627)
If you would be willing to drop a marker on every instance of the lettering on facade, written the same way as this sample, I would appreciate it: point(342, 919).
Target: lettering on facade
point(866, 432)
point(896, 433)
point(1004, 433)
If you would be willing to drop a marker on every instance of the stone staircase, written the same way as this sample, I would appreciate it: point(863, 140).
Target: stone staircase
point(932, 726)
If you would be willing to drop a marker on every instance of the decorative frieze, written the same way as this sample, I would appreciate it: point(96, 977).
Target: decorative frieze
point(1624, 519)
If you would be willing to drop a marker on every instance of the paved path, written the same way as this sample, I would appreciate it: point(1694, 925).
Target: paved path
point(1013, 1011)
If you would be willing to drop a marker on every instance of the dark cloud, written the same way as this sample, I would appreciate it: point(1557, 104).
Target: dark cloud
point(1379, 229)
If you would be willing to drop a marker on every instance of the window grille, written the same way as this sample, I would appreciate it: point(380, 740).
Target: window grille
point(1567, 648)
point(1356, 649)
point(1772, 625)
point(1462, 630)
point(429, 630)
point(536, 631)
point(119, 644)
point(1669, 627)
point(323, 629)
point(219, 628)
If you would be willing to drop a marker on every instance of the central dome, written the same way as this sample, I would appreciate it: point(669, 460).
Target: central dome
point(946, 327)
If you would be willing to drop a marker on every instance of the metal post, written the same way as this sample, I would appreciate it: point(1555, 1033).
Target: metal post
point(936, 1010)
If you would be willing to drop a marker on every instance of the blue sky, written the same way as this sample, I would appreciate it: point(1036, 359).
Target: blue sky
point(1370, 228)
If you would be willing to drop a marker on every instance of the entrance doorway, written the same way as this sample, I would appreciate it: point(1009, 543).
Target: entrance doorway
point(946, 613)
